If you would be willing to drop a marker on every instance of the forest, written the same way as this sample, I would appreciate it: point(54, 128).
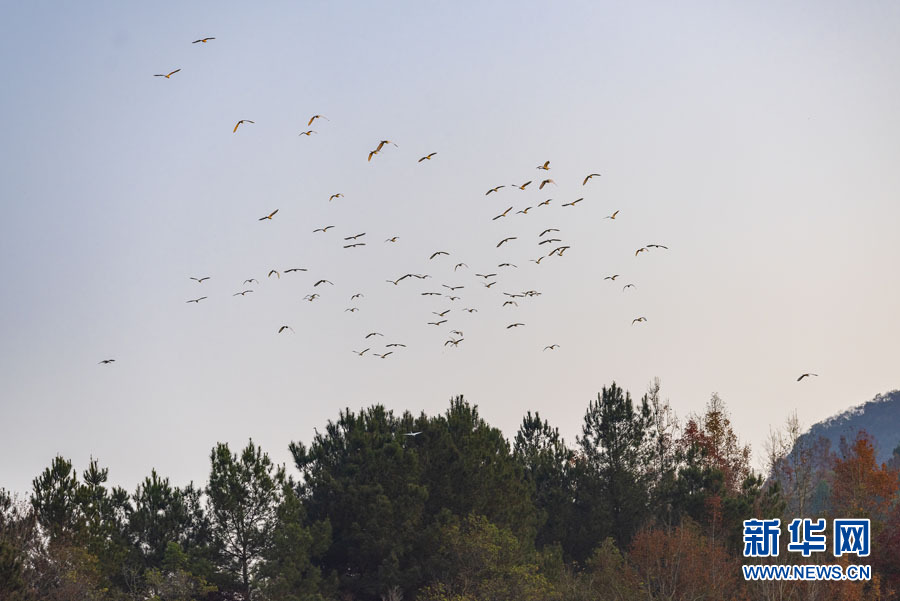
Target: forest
point(384, 507)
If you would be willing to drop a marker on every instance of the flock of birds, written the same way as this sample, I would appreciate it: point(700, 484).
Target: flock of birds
point(550, 236)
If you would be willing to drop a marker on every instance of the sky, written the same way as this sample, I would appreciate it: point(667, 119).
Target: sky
point(758, 141)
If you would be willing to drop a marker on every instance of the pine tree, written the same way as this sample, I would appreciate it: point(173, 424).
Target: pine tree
point(616, 459)
point(244, 492)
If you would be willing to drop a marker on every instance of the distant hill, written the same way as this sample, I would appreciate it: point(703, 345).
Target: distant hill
point(880, 417)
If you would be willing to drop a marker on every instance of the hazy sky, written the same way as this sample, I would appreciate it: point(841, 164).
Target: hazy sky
point(759, 141)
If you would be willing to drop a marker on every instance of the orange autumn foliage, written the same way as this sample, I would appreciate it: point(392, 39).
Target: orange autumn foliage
point(861, 488)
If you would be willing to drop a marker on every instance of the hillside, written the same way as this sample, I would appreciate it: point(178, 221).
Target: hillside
point(880, 417)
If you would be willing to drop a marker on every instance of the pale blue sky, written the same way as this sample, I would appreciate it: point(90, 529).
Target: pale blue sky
point(759, 142)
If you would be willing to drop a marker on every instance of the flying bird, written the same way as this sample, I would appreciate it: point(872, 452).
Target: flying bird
point(394, 239)
point(333, 196)
point(510, 302)
point(452, 288)
point(241, 293)
point(323, 282)
point(236, 125)
point(453, 342)
point(355, 237)
point(357, 295)
point(293, 269)
point(427, 157)
point(611, 277)
point(613, 216)
point(437, 323)
point(560, 250)
point(204, 40)
point(657, 246)
point(314, 117)
point(486, 275)
point(547, 231)
point(546, 202)
point(545, 182)
point(283, 328)
point(514, 325)
point(362, 352)
point(589, 177)
point(551, 347)
point(251, 280)
point(275, 271)
point(638, 319)
point(167, 75)
point(351, 309)
point(393, 344)
point(307, 133)
point(545, 166)
point(488, 285)
point(503, 214)
point(573, 203)
point(507, 265)
point(627, 286)
point(440, 252)
point(200, 280)
point(640, 250)
point(499, 244)
point(374, 334)
point(107, 362)
point(412, 433)
point(494, 190)
point(323, 229)
point(547, 240)
point(523, 186)
point(269, 216)
point(382, 143)
point(458, 265)
point(806, 376)
point(196, 300)
point(384, 356)
point(354, 245)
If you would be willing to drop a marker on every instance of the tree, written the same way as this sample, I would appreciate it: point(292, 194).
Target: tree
point(664, 454)
point(363, 476)
point(681, 563)
point(287, 572)
point(244, 493)
point(468, 467)
point(715, 484)
point(54, 498)
point(614, 445)
point(17, 536)
point(173, 581)
point(862, 488)
point(720, 448)
point(799, 465)
point(159, 517)
point(477, 561)
point(547, 463)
